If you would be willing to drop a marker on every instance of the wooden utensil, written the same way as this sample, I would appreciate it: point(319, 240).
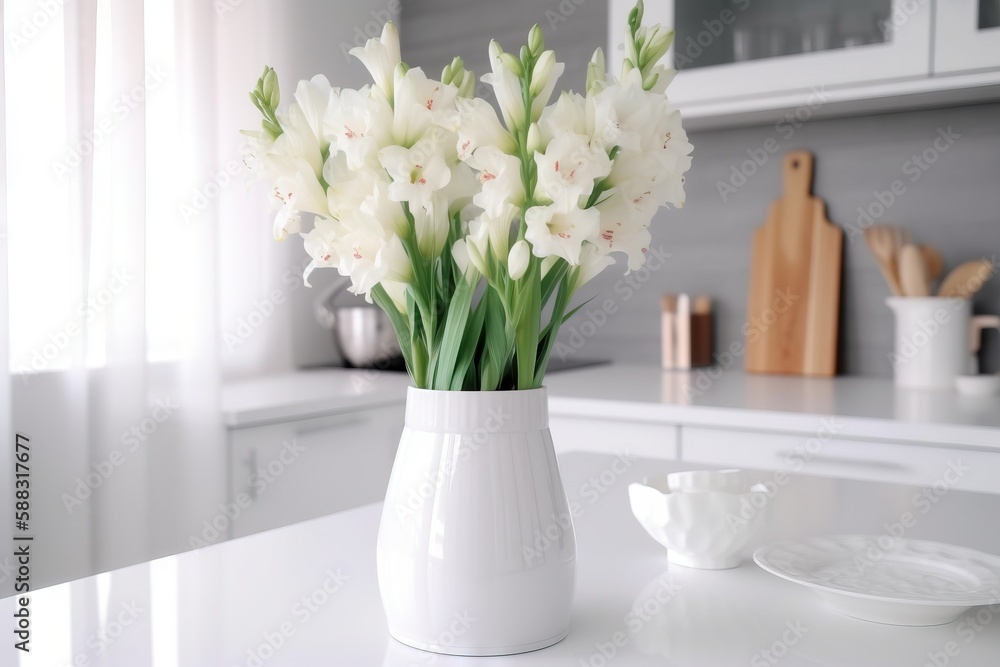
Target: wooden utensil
point(933, 261)
point(967, 279)
point(885, 241)
point(794, 298)
point(913, 272)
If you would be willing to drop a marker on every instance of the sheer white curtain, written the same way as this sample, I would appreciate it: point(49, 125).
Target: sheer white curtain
point(109, 301)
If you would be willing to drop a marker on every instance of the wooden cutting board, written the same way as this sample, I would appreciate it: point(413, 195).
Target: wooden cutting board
point(794, 302)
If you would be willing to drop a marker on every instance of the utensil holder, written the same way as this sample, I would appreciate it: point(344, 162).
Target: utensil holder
point(931, 345)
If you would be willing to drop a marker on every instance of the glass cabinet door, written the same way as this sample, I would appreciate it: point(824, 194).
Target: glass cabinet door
point(732, 49)
point(745, 30)
point(967, 35)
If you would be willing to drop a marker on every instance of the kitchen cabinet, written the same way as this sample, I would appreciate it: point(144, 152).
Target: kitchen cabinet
point(822, 455)
point(635, 438)
point(846, 427)
point(743, 62)
point(967, 35)
point(291, 471)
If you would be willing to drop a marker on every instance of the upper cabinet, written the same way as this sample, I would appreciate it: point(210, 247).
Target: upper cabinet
point(748, 61)
point(967, 35)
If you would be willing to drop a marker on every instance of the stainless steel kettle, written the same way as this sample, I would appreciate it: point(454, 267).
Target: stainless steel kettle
point(361, 330)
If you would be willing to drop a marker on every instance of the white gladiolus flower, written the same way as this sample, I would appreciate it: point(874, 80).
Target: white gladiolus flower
point(380, 57)
point(477, 125)
point(296, 185)
point(298, 139)
point(368, 257)
point(358, 123)
point(553, 230)
point(493, 230)
point(461, 188)
point(288, 221)
point(672, 150)
point(646, 183)
point(517, 261)
point(624, 113)
point(543, 81)
point(632, 177)
point(568, 114)
point(420, 104)
point(417, 172)
point(622, 230)
point(500, 178)
point(319, 244)
point(347, 189)
point(255, 158)
point(430, 224)
point(568, 169)
point(397, 293)
point(314, 97)
point(664, 77)
point(591, 264)
point(507, 88)
point(379, 207)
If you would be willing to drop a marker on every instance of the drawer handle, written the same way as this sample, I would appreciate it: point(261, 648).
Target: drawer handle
point(838, 460)
point(342, 421)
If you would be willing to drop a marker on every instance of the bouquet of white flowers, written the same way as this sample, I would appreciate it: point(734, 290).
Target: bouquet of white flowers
point(421, 194)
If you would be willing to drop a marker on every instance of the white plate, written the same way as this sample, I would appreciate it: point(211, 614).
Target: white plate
point(888, 580)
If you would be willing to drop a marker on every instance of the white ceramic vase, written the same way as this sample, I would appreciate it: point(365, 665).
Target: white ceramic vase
point(476, 549)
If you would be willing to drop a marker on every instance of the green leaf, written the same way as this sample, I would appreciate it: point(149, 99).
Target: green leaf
point(526, 323)
point(470, 343)
point(418, 369)
point(548, 338)
point(451, 341)
point(552, 279)
point(499, 341)
point(399, 325)
point(419, 354)
point(489, 376)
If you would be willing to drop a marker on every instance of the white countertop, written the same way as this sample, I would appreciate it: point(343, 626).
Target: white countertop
point(865, 407)
point(307, 594)
point(309, 393)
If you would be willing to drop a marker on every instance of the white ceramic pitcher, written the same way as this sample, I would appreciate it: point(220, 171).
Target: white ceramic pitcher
point(932, 341)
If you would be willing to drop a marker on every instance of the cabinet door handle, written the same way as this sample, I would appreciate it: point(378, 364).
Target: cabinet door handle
point(843, 460)
point(251, 463)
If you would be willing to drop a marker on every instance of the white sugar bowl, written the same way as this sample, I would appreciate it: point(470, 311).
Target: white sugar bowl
point(705, 518)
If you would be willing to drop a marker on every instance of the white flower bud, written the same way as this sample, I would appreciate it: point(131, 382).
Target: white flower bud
point(460, 253)
point(512, 63)
point(467, 86)
point(536, 41)
point(535, 139)
point(596, 72)
point(542, 71)
point(517, 260)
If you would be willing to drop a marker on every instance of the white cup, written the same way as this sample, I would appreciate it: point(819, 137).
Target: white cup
point(932, 342)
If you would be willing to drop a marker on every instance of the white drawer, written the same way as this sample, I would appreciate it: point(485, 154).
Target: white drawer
point(290, 472)
point(607, 436)
point(827, 456)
